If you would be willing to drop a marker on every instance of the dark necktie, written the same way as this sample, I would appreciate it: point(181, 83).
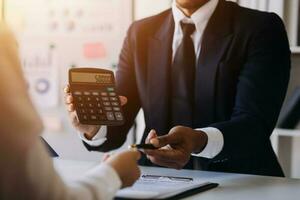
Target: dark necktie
point(183, 79)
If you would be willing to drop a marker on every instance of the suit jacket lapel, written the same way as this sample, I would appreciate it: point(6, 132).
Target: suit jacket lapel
point(216, 40)
point(159, 62)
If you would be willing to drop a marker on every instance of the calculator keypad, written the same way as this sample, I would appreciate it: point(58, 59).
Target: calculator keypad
point(98, 107)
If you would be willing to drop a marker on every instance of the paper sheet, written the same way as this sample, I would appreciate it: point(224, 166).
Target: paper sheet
point(159, 188)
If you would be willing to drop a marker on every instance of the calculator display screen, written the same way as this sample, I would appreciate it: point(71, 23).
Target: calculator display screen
point(83, 77)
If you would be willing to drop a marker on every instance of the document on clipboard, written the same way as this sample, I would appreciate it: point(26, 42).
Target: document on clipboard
point(164, 187)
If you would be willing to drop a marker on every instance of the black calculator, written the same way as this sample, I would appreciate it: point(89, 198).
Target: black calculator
point(95, 99)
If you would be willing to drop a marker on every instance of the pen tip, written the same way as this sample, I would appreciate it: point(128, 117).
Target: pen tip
point(132, 146)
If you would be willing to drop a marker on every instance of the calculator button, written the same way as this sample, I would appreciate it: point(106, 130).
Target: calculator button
point(88, 98)
point(92, 111)
point(96, 93)
point(82, 111)
point(97, 99)
point(90, 105)
point(104, 94)
point(115, 103)
point(116, 109)
point(87, 93)
point(119, 116)
point(100, 111)
point(99, 105)
point(106, 103)
point(108, 108)
point(105, 98)
point(110, 116)
point(110, 89)
point(93, 117)
point(77, 93)
point(79, 98)
point(84, 117)
point(112, 94)
point(113, 98)
point(81, 105)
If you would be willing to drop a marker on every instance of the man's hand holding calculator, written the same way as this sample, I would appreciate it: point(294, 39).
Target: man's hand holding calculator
point(92, 100)
point(89, 130)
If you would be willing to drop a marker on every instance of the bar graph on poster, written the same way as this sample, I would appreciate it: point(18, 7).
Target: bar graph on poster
point(55, 35)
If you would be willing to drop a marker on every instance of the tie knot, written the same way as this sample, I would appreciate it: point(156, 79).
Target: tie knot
point(188, 29)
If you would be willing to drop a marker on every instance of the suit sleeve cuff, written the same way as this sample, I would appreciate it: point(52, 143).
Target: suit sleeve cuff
point(98, 139)
point(215, 143)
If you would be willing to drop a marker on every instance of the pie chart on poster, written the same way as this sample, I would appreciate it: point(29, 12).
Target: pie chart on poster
point(42, 86)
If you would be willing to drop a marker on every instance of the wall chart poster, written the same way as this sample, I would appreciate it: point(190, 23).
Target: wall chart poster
point(55, 35)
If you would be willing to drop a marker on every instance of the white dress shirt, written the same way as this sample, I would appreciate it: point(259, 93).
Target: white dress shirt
point(200, 18)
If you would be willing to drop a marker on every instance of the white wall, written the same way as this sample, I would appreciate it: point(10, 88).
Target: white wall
point(145, 8)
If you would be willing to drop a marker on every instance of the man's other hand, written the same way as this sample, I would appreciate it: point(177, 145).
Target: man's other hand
point(176, 147)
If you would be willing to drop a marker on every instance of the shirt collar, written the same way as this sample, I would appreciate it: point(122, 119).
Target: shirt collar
point(199, 18)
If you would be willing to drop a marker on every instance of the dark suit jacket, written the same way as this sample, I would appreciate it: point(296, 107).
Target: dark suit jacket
point(242, 77)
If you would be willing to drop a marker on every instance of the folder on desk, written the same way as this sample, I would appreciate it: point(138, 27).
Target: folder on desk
point(164, 187)
point(51, 151)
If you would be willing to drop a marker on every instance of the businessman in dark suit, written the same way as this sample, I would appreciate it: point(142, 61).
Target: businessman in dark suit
point(211, 77)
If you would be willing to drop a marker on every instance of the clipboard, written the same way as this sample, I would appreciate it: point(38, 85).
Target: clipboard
point(161, 190)
point(193, 192)
point(182, 195)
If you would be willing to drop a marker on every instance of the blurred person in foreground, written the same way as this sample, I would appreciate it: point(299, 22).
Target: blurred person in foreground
point(26, 170)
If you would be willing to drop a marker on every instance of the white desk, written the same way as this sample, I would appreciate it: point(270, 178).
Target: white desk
point(232, 186)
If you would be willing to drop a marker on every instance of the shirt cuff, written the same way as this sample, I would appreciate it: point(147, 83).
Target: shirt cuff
point(103, 175)
point(215, 143)
point(98, 139)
